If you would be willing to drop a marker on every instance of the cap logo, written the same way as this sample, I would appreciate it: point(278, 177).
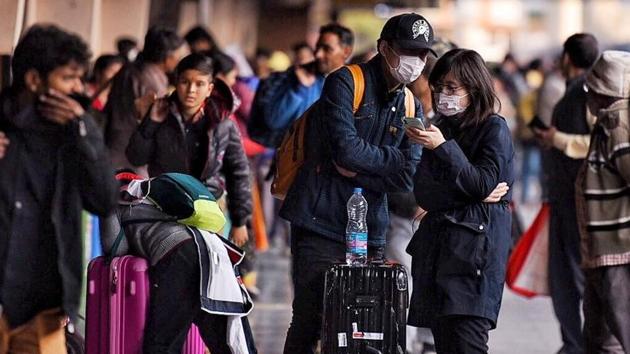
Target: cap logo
point(421, 27)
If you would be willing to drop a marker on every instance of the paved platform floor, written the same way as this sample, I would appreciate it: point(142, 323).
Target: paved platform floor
point(526, 326)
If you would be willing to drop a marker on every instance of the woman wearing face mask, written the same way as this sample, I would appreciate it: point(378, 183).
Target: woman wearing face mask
point(190, 132)
point(460, 250)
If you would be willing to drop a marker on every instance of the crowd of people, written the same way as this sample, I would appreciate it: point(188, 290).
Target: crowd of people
point(439, 194)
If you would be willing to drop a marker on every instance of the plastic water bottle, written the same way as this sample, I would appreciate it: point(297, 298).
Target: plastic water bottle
point(357, 230)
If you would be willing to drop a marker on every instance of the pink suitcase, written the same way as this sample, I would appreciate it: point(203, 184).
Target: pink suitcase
point(117, 303)
point(194, 344)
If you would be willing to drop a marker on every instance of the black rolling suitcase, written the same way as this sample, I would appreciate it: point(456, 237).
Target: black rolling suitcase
point(365, 309)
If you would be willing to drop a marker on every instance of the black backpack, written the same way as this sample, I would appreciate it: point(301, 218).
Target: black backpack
point(257, 127)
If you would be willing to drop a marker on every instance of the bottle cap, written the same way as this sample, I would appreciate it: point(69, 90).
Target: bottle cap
point(358, 190)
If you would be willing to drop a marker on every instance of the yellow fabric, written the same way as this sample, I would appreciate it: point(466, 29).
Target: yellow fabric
point(574, 146)
point(359, 86)
point(207, 216)
point(44, 334)
point(410, 104)
point(526, 111)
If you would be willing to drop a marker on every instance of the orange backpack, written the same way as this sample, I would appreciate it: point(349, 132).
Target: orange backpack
point(290, 154)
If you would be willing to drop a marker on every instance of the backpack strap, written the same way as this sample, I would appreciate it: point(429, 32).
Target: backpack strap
point(410, 104)
point(359, 89)
point(359, 85)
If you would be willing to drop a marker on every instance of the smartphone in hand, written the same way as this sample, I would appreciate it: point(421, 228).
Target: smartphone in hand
point(538, 124)
point(414, 122)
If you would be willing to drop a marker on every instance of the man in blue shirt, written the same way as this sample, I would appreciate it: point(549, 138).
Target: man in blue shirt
point(286, 95)
point(366, 149)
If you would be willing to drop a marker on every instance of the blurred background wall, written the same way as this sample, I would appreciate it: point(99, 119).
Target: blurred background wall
point(527, 28)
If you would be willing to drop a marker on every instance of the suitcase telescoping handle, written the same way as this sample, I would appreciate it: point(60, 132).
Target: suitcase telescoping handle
point(366, 301)
point(372, 350)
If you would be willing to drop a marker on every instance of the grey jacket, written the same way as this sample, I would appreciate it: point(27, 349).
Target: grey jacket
point(143, 235)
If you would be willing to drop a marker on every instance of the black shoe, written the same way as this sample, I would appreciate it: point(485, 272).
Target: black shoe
point(428, 348)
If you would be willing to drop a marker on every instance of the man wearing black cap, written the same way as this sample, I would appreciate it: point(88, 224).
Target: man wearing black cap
point(366, 149)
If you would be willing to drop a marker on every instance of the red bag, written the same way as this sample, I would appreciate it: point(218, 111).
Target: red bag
point(528, 263)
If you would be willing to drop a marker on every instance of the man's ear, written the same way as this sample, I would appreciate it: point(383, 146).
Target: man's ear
point(380, 44)
point(32, 80)
point(347, 52)
point(210, 88)
point(566, 60)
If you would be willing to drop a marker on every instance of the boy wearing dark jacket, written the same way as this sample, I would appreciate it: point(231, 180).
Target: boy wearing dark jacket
point(190, 132)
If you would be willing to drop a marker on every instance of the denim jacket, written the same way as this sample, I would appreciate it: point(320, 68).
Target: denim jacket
point(371, 142)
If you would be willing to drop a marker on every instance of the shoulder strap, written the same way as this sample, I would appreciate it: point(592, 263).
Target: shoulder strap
point(359, 89)
point(359, 85)
point(410, 104)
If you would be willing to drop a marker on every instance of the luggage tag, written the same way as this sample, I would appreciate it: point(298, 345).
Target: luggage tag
point(364, 335)
point(342, 340)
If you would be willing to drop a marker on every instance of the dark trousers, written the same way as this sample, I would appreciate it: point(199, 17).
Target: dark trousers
point(312, 256)
point(566, 280)
point(461, 335)
point(607, 309)
point(174, 305)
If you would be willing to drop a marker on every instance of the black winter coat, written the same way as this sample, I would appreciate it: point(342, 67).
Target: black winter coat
point(83, 179)
point(163, 147)
point(460, 249)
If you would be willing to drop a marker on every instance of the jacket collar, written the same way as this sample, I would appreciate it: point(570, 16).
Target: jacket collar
point(580, 79)
point(24, 117)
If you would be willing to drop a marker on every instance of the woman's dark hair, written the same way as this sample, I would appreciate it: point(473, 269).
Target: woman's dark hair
point(159, 43)
point(197, 62)
point(470, 70)
point(198, 33)
point(45, 48)
point(124, 45)
point(299, 46)
point(103, 62)
point(222, 63)
point(582, 49)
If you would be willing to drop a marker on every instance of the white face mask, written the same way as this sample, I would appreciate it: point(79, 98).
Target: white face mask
point(448, 105)
point(408, 70)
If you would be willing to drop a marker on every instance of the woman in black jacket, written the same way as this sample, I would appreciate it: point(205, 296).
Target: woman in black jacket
point(190, 132)
point(459, 253)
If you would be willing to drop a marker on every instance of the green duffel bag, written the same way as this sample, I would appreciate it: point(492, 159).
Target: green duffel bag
point(186, 199)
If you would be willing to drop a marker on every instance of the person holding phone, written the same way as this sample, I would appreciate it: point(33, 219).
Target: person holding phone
point(190, 132)
point(460, 250)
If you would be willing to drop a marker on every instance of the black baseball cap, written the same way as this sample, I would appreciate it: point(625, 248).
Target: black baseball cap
point(409, 31)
